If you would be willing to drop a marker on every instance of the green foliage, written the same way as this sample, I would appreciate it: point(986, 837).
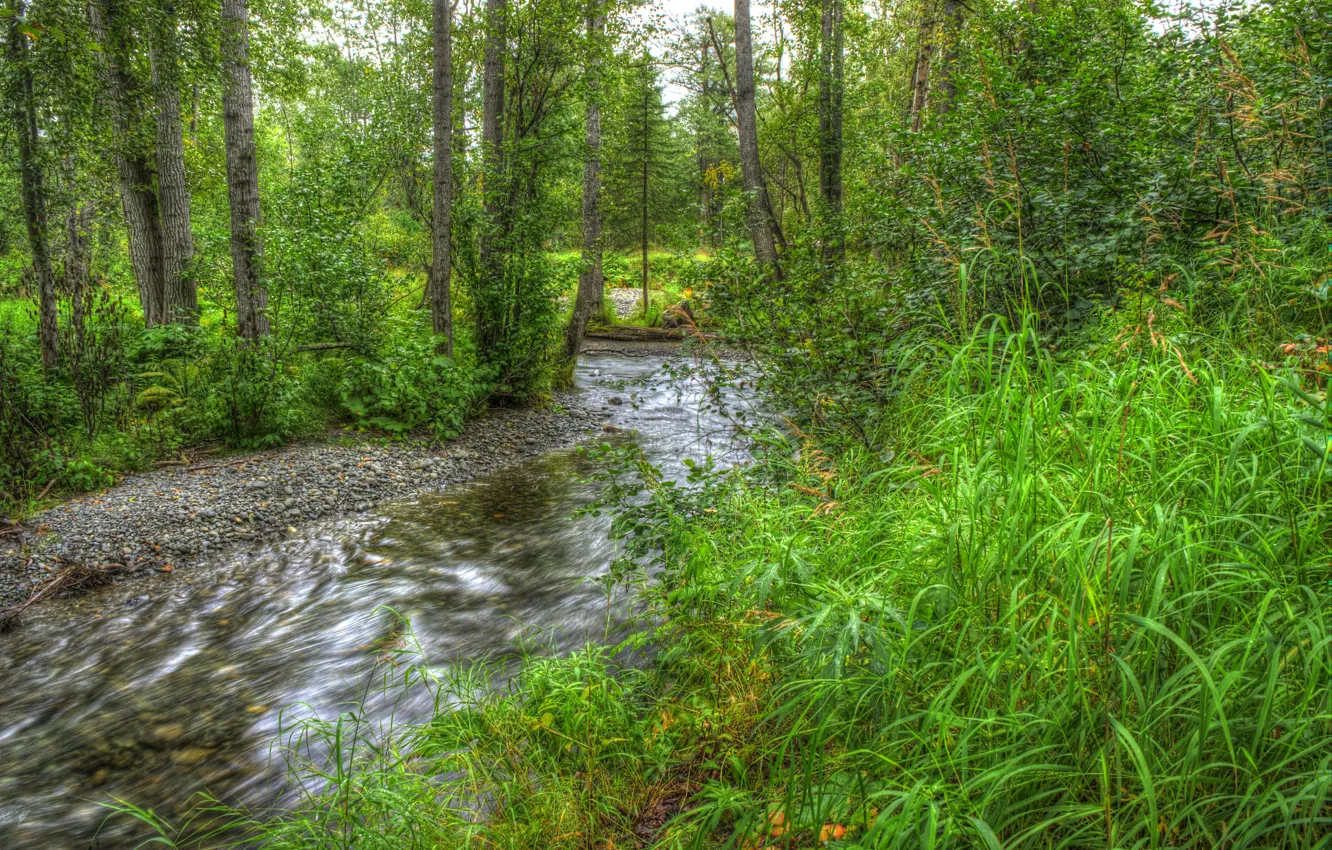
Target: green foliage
point(72, 473)
point(1080, 602)
point(326, 285)
point(252, 400)
point(645, 163)
point(412, 388)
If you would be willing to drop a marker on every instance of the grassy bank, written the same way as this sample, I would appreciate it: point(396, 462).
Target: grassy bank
point(1083, 601)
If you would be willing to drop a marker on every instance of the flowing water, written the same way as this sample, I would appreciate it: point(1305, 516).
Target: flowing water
point(156, 689)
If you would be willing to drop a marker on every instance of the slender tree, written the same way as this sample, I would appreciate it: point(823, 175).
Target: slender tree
point(831, 78)
point(765, 249)
point(645, 162)
point(242, 172)
point(23, 112)
point(180, 291)
point(441, 230)
point(78, 261)
point(492, 154)
point(591, 283)
point(920, 71)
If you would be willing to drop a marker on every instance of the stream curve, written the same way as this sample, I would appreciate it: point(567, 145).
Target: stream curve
point(154, 690)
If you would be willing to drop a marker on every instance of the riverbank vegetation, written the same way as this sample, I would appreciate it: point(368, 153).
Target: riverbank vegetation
point(219, 227)
point(1039, 555)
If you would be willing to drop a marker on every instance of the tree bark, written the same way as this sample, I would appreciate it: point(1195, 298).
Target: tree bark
point(830, 127)
point(24, 113)
point(137, 198)
point(78, 263)
point(492, 93)
point(952, 13)
point(441, 225)
point(765, 250)
point(920, 74)
point(643, 198)
point(242, 172)
point(591, 283)
point(492, 156)
point(181, 303)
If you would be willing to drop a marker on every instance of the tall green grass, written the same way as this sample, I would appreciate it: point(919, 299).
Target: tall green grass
point(1084, 603)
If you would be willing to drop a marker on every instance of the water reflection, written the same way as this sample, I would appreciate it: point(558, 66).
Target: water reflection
point(154, 690)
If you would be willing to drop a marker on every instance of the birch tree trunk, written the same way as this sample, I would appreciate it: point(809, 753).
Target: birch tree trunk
point(24, 114)
point(181, 302)
point(242, 172)
point(441, 225)
point(765, 250)
point(137, 199)
point(591, 283)
point(492, 85)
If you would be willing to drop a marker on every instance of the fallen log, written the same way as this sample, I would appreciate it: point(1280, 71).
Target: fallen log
point(630, 333)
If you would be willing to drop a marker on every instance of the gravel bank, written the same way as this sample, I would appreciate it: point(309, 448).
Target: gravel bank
point(172, 519)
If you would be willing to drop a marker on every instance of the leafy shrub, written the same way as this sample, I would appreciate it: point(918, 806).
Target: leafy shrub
point(251, 399)
point(70, 472)
point(413, 387)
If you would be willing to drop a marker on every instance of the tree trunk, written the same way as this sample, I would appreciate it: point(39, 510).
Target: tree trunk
point(242, 172)
point(492, 158)
point(765, 250)
point(138, 201)
point(704, 195)
point(591, 283)
point(492, 107)
point(920, 74)
point(643, 232)
point(441, 226)
point(78, 221)
point(952, 11)
point(24, 114)
point(830, 127)
point(181, 303)
point(78, 263)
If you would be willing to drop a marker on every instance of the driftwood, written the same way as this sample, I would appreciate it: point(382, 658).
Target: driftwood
point(71, 576)
point(629, 333)
point(237, 462)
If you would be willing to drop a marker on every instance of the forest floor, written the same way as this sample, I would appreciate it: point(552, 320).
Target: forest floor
point(174, 518)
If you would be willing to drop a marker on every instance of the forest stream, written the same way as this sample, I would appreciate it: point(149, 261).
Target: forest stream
point(154, 690)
